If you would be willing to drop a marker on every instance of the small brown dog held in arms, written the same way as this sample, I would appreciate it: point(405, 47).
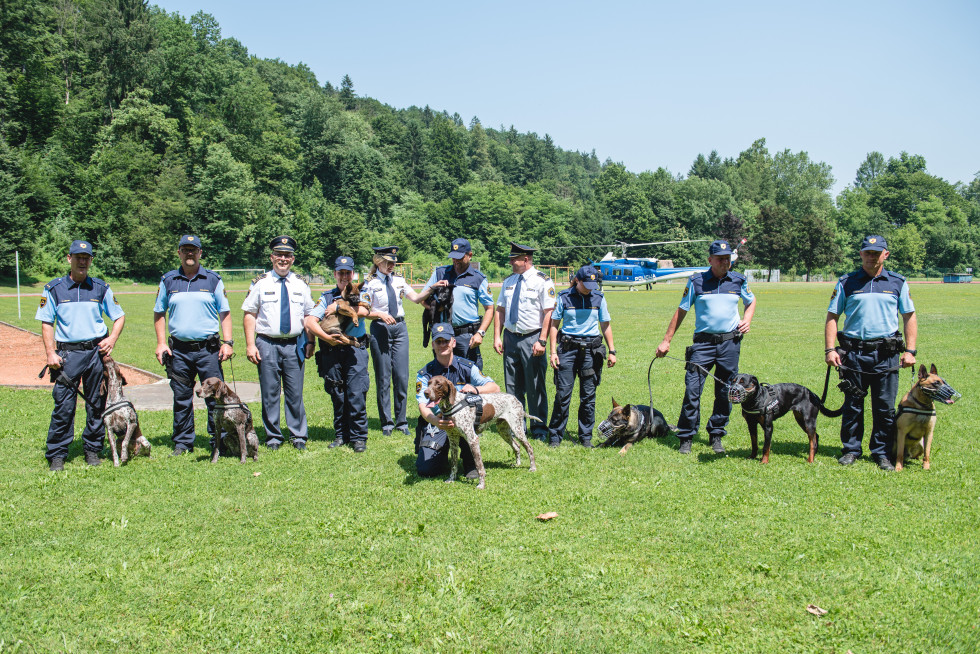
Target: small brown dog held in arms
point(336, 324)
point(915, 418)
point(232, 420)
point(120, 416)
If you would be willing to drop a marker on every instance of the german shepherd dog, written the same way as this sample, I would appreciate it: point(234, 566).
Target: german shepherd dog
point(439, 308)
point(915, 418)
point(336, 324)
point(764, 404)
point(631, 423)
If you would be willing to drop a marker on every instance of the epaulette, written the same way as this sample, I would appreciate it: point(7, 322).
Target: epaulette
point(96, 280)
point(394, 274)
point(257, 278)
point(737, 275)
point(53, 283)
point(568, 291)
point(895, 274)
point(172, 273)
point(542, 275)
point(207, 271)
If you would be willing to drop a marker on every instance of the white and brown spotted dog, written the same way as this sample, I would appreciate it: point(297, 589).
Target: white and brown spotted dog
point(120, 416)
point(505, 411)
point(232, 420)
point(915, 418)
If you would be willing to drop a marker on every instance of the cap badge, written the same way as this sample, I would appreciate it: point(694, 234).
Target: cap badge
point(82, 245)
point(591, 276)
point(722, 246)
point(284, 240)
point(190, 238)
point(455, 246)
point(439, 328)
point(872, 240)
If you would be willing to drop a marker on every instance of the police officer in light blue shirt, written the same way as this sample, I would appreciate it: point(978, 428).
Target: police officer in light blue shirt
point(718, 333)
point(75, 340)
point(576, 350)
point(192, 304)
point(871, 349)
point(470, 291)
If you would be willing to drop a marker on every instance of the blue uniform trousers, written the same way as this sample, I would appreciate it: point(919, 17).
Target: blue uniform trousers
point(432, 450)
point(201, 364)
point(346, 380)
point(84, 368)
point(389, 354)
point(564, 385)
point(724, 358)
point(883, 388)
point(464, 351)
point(525, 374)
point(281, 369)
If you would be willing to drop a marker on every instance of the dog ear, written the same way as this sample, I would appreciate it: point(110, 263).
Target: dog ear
point(627, 409)
point(922, 372)
point(452, 392)
point(123, 378)
point(102, 387)
point(615, 404)
point(932, 369)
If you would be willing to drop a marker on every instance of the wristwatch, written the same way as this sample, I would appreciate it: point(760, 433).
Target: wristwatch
point(612, 352)
point(481, 332)
point(230, 342)
point(542, 342)
point(912, 352)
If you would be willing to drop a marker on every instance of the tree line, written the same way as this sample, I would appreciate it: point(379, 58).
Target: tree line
point(127, 125)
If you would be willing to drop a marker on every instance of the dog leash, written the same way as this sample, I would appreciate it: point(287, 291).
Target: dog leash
point(65, 380)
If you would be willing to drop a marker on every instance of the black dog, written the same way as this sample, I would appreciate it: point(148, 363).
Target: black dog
point(631, 423)
point(764, 404)
point(438, 308)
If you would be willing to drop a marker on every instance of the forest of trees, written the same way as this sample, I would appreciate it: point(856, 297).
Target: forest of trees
point(128, 126)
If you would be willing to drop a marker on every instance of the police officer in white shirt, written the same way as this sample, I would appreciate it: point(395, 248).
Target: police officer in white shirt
point(276, 342)
point(524, 313)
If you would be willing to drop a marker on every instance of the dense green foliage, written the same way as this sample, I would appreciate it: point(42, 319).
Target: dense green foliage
point(127, 125)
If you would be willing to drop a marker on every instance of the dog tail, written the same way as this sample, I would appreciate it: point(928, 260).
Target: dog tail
point(534, 418)
point(830, 414)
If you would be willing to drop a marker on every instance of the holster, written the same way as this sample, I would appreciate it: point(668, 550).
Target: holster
point(168, 364)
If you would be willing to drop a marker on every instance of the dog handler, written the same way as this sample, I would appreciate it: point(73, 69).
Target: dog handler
point(431, 440)
point(344, 368)
point(195, 304)
point(74, 337)
point(871, 298)
point(275, 307)
point(577, 350)
point(470, 290)
point(718, 334)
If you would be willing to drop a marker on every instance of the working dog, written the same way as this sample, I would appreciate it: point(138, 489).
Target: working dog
point(763, 404)
point(915, 418)
point(337, 323)
point(120, 416)
point(232, 420)
point(438, 308)
point(504, 410)
point(631, 423)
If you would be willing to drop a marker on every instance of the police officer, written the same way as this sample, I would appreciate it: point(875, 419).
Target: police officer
point(718, 334)
point(194, 302)
point(470, 290)
point(871, 298)
point(389, 336)
point(431, 440)
point(576, 350)
point(275, 307)
point(344, 367)
point(74, 337)
point(524, 313)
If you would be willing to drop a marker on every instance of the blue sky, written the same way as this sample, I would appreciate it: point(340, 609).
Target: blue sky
point(653, 84)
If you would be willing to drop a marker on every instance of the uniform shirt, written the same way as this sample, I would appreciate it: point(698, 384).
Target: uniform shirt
point(716, 300)
point(460, 372)
point(871, 305)
point(193, 304)
point(328, 297)
point(470, 289)
point(264, 297)
point(579, 314)
point(378, 295)
point(75, 309)
point(537, 295)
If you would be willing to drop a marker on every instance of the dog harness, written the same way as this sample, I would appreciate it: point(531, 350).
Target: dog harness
point(766, 402)
point(116, 406)
point(476, 402)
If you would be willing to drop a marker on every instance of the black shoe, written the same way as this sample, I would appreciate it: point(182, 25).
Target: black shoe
point(179, 449)
point(360, 446)
point(716, 445)
point(587, 443)
point(92, 458)
point(386, 432)
point(848, 459)
point(883, 462)
point(337, 442)
point(57, 464)
point(472, 474)
point(404, 430)
point(272, 447)
point(554, 443)
point(685, 447)
point(299, 445)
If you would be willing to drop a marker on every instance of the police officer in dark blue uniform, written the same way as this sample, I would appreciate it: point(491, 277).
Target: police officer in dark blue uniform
point(344, 367)
point(74, 337)
point(193, 300)
point(718, 333)
point(431, 440)
point(577, 350)
point(470, 290)
point(871, 298)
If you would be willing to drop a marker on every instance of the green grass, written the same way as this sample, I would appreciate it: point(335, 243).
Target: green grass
point(332, 551)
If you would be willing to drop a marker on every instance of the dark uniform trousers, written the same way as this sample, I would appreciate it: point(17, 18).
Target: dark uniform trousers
point(202, 363)
point(432, 451)
point(280, 370)
point(84, 369)
point(883, 389)
point(524, 375)
point(464, 350)
point(724, 358)
point(389, 354)
point(565, 384)
point(345, 378)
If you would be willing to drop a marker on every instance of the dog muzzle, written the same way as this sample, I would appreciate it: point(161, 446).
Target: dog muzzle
point(945, 394)
point(607, 429)
point(737, 393)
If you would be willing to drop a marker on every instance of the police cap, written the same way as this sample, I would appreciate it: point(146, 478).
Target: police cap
point(518, 250)
point(187, 239)
point(283, 244)
point(459, 248)
point(443, 330)
point(81, 247)
point(589, 276)
point(344, 263)
point(720, 248)
point(874, 243)
point(387, 252)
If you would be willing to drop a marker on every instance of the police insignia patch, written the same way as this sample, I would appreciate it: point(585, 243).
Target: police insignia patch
point(551, 291)
point(833, 295)
point(44, 301)
point(418, 387)
point(115, 299)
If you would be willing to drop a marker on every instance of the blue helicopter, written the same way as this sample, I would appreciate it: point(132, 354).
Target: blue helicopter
point(631, 272)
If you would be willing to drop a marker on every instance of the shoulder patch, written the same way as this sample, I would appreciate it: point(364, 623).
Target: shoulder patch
point(115, 299)
point(257, 278)
point(366, 298)
point(542, 275)
point(418, 387)
point(551, 291)
point(44, 301)
point(833, 294)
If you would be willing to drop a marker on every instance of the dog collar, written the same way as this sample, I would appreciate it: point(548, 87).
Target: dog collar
point(918, 412)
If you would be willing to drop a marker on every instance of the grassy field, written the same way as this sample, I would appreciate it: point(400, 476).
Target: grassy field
point(331, 551)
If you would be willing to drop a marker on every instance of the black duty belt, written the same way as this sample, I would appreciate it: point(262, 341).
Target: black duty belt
point(471, 328)
point(580, 342)
point(871, 345)
point(81, 345)
point(193, 346)
point(402, 319)
point(291, 340)
point(717, 339)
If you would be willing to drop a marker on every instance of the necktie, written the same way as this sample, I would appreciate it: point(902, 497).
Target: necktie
point(392, 300)
point(284, 321)
point(515, 300)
